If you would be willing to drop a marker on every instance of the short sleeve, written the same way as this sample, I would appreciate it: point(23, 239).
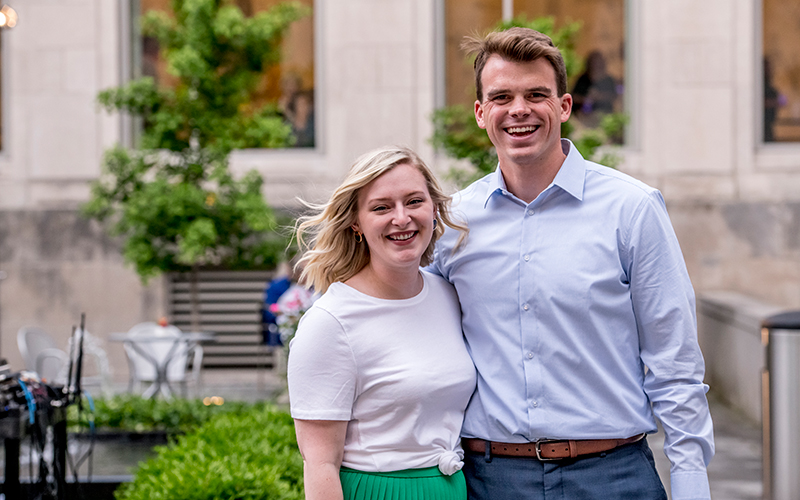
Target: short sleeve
point(321, 370)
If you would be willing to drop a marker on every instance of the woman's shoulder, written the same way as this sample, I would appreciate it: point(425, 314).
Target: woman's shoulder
point(439, 285)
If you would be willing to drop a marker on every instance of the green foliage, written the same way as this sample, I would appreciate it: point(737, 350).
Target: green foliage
point(174, 202)
point(250, 455)
point(132, 413)
point(179, 211)
point(457, 134)
point(217, 56)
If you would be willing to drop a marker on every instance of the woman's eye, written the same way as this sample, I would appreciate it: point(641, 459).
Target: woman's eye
point(415, 201)
point(379, 208)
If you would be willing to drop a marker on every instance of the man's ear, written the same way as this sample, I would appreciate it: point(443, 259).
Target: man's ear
point(566, 107)
point(479, 115)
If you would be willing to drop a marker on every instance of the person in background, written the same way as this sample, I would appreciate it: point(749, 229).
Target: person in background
point(297, 107)
point(272, 292)
point(286, 299)
point(379, 375)
point(595, 91)
point(576, 305)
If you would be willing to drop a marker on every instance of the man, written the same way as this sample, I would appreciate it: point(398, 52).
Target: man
point(576, 306)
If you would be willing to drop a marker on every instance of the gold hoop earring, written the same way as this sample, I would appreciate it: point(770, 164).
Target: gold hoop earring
point(359, 237)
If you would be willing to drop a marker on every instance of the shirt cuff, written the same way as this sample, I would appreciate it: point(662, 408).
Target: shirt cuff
point(689, 485)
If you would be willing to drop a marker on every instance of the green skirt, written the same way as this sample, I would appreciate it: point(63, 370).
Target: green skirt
point(409, 484)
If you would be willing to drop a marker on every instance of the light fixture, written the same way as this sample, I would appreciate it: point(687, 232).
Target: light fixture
point(8, 17)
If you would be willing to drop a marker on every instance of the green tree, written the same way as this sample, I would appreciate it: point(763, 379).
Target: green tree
point(457, 134)
point(217, 55)
point(173, 201)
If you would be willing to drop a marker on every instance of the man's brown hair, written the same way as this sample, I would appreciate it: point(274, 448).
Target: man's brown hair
point(515, 45)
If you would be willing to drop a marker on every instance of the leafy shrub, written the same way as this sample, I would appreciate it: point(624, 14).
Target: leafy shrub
point(246, 456)
point(173, 202)
point(129, 412)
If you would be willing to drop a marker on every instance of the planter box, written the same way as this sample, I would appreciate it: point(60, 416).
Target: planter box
point(729, 330)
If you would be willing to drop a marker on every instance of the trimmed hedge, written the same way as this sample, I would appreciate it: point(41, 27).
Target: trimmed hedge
point(133, 413)
point(251, 455)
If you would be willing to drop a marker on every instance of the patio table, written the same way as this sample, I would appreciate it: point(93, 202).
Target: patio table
point(181, 344)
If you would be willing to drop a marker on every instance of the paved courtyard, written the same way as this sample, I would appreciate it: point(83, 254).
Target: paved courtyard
point(735, 471)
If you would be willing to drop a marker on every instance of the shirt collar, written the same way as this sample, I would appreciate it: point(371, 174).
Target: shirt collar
point(570, 176)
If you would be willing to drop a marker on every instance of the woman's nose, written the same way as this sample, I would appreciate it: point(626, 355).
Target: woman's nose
point(401, 216)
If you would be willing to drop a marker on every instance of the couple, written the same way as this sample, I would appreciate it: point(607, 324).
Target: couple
point(575, 306)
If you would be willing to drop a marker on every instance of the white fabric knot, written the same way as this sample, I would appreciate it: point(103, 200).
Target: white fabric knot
point(450, 462)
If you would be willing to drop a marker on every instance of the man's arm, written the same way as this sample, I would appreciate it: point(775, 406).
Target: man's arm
point(664, 304)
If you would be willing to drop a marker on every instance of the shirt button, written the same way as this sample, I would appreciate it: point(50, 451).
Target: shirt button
point(530, 355)
point(530, 212)
point(525, 306)
point(535, 404)
point(527, 258)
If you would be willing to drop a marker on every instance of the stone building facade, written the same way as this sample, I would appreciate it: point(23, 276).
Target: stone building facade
point(693, 87)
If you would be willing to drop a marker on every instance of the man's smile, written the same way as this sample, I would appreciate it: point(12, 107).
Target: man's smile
point(522, 130)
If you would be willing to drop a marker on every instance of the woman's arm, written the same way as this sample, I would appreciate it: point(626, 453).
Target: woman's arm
point(322, 446)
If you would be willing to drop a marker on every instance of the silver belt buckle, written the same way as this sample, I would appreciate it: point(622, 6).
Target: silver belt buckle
point(538, 447)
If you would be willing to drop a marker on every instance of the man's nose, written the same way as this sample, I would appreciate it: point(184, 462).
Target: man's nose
point(519, 107)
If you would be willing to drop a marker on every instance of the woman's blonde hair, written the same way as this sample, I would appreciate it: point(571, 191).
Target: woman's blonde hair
point(331, 252)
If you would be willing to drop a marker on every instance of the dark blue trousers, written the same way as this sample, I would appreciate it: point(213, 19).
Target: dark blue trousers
point(625, 473)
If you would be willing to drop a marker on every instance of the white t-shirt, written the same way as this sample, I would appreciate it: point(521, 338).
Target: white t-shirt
point(397, 370)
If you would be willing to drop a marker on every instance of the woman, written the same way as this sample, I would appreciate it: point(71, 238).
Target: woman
point(379, 376)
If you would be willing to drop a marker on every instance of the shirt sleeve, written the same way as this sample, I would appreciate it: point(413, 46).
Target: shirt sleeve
point(321, 369)
point(664, 305)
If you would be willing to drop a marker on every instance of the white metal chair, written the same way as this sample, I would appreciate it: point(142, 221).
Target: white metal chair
point(41, 354)
point(145, 356)
point(31, 341)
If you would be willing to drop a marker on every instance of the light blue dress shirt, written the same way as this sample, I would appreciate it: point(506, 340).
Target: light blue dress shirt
point(580, 317)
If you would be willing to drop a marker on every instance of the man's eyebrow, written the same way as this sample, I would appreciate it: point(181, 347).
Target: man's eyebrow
point(542, 89)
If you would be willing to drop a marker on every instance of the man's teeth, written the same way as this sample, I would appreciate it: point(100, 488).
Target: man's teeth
point(401, 237)
point(520, 130)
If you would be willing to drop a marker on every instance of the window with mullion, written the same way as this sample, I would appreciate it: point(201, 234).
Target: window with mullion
point(597, 90)
point(289, 84)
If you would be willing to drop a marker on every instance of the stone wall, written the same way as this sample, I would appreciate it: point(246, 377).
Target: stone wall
point(751, 248)
point(59, 265)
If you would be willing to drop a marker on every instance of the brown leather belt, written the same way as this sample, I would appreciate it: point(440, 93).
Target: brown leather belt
point(548, 449)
